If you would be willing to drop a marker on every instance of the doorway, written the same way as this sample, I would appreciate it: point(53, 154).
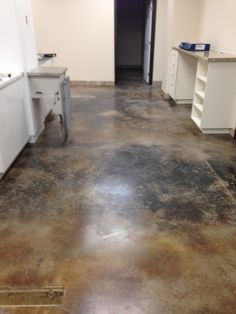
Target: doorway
point(135, 23)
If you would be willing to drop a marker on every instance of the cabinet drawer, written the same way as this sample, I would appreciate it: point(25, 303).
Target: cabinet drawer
point(44, 87)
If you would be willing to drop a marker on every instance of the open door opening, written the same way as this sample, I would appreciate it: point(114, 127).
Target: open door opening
point(135, 23)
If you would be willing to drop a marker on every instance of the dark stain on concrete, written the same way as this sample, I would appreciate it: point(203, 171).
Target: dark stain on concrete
point(153, 179)
point(226, 170)
point(135, 214)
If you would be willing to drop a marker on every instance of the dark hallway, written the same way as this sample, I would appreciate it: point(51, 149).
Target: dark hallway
point(133, 29)
point(129, 76)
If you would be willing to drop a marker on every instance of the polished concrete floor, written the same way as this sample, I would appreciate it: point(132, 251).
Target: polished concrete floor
point(134, 214)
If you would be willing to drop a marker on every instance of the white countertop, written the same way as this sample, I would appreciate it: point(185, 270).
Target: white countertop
point(5, 81)
point(47, 72)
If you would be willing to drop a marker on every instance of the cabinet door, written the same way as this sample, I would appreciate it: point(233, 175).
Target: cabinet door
point(14, 130)
point(186, 77)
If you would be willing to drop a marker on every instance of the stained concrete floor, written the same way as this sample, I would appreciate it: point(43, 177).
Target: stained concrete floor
point(135, 214)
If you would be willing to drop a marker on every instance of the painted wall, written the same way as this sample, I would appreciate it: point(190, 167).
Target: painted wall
point(160, 40)
point(219, 24)
point(183, 22)
point(82, 34)
point(130, 22)
point(89, 52)
point(187, 20)
point(163, 42)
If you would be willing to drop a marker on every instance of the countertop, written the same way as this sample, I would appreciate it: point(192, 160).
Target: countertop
point(6, 81)
point(209, 56)
point(47, 72)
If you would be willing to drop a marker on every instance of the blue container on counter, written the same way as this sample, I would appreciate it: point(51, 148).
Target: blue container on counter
point(195, 46)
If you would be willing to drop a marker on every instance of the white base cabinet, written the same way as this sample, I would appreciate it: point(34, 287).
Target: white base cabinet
point(14, 129)
point(214, 97)
point(182, 78)
point(209, 86)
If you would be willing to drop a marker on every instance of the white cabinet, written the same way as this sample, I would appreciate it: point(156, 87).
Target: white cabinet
point(207, 80)
point(214, 97)
point(14, 130)
point(47, 90)
point(182, 77)
point(173, 73)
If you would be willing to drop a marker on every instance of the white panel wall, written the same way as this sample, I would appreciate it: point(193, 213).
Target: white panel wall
point(10, 52)
point(81, 32)
point(18, 51)
point(30, 61)
point(27, 33)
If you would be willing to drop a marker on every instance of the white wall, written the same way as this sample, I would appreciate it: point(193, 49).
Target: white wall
point(82, 34)
point(219, 24)
point(187, 20)
point(160, 40)
point(163, 42)
point(182, 22)
point(11, 58)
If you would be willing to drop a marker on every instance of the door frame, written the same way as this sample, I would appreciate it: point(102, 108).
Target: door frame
point(152, 40)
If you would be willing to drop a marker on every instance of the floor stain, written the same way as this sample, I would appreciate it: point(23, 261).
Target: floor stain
point(134, 214)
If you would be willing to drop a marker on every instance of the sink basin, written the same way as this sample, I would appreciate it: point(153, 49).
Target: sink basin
point(6, 78)
point(5, 75)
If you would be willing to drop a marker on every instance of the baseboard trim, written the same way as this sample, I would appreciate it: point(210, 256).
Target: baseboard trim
point(35, 137)
point(165, 95)
point(91, 83)
point(157, 83)
point(184, 101)
point(215, 131)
